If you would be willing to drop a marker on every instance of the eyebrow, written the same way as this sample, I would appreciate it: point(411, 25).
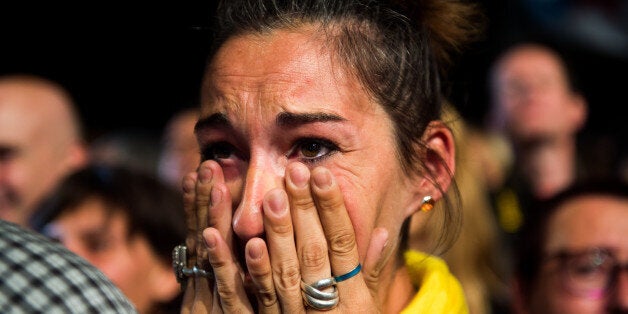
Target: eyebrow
point(215, 120)
point(220, 120)
point(294, 119)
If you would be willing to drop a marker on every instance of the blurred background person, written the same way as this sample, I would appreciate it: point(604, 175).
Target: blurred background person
point(133, 147)
point(126, 223)
point(537, 107)
point(179, 153)
point(41, 141)
point(572, 256)
point(538, 110)
point(42, 276)
point(476, 258)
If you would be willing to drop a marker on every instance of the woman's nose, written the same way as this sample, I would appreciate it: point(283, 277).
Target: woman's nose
point(261, 177)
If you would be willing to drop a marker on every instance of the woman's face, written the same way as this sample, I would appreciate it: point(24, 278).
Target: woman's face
point(277, 98)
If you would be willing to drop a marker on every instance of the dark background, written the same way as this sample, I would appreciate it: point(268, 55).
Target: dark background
point(133, 65)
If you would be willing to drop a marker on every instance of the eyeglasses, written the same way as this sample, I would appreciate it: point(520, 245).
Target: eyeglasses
point(588, 273)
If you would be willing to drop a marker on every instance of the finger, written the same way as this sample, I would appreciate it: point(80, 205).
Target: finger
point(377, 255)
point(283, 256)
point(353, 292)
point(189, 206)
point(197, 292)
point(203, 203)
point(220, 207)
point(310, 239)
point(213, 202)
point(258, 264)
point(336, 222)
point(228, 279)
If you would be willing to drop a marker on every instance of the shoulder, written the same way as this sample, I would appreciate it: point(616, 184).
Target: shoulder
point(39, 275)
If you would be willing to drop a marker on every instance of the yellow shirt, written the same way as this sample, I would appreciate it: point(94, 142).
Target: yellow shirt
point(439, 290)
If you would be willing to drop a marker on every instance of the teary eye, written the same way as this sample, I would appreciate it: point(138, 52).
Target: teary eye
point(218, 151)
point(312, 150)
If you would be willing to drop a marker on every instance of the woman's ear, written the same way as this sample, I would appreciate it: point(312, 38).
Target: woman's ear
point(440, 160)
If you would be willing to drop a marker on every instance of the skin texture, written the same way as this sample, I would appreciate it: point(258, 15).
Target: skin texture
point(102, 238)
point(39, 144)
point(302, 161)
point(584, 222)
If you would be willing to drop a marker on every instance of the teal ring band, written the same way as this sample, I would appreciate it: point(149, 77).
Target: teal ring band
point(348, 275)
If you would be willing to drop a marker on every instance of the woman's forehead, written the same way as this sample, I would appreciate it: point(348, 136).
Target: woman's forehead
point(285, 70)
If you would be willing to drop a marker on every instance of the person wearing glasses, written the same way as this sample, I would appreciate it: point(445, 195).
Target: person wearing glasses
point(572, 255)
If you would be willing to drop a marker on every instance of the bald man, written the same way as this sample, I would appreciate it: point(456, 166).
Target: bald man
point(40, 142)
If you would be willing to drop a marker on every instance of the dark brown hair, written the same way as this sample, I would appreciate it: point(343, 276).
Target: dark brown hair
point(398, 51)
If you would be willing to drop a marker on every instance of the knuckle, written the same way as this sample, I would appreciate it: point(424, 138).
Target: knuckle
point(227, 294)
point(342, 243)
point(371, 275)
point(330, 201)
point(302, 202)
point(260, 272)
point(314, 255)
point(281, 229)
point(371, 278)
point(288, 277)
point(266, 296)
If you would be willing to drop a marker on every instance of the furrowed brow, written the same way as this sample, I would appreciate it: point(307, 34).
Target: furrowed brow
point(216, 120)
point(294, 119)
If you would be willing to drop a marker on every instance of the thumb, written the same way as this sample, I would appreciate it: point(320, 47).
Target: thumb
point(377, 255)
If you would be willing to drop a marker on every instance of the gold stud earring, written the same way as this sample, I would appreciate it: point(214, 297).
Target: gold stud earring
point(427, 204)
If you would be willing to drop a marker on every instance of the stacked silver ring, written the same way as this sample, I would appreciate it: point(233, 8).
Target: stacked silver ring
point(314, 296)
point(318, 299)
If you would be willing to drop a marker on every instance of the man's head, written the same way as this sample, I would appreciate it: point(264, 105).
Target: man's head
point(533, 97)
point(40, 141)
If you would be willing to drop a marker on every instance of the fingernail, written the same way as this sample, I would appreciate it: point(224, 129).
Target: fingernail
point(210, 240)
point(188, 185)
point(322, 178)
point(299, 175)
point(255, 251)
point(276, 201)
point(205, 174)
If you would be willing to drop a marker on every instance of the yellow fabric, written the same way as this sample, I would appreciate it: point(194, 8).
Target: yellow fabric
point(439, 290)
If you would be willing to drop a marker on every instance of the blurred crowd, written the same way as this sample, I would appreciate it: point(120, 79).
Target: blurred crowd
point(545, 219)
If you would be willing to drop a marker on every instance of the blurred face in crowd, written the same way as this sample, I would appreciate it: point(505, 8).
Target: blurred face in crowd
point(532, 96)
point(180, 153)
point(101, 236)
point(586, 266)
point(38, 145)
